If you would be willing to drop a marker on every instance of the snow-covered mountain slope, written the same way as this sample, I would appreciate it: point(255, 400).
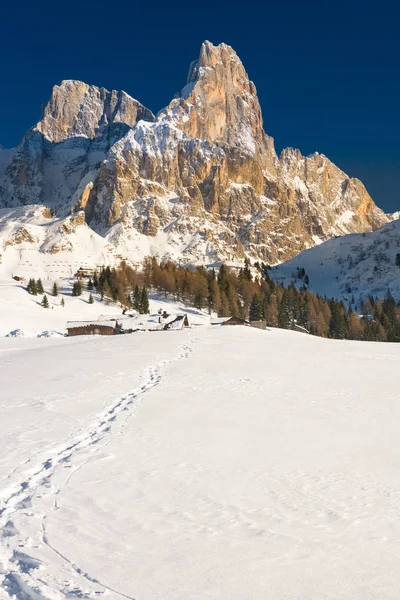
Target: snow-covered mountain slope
point(200, 182)
point(21, 314)
point(152, 474)
point(34, 243)
point(349, 267)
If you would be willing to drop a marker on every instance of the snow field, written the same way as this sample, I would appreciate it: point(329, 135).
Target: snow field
point(260, 465)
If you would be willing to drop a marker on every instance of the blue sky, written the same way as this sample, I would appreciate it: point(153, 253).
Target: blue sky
point(327, 73)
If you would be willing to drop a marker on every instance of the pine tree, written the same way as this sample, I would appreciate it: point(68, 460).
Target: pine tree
point(337, 325)
point(90, 285)
point(144, 301)
point(91, 301)
point(55, 289)
point(32, 287)
point(136, 299)
point(256, 308)
point(45, 302)
point(222, 274)
point(77, 288)
point(39, 287)
point(62, 302)
point(213, 292)
point(246, 270)
point(284, 312)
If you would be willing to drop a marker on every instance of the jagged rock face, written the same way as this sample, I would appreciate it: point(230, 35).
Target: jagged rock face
point(58, 157)
point(219, 104)
point(200, 182)
point(337, 203)
point(76, 109)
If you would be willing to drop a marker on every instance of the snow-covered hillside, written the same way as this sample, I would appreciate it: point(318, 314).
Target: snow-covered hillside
point(21, 314)
point(210, 463)
point(34, 243)
point(349, 267)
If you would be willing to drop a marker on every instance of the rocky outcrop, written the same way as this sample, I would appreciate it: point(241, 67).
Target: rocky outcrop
point(58, 157)
point(219, 104)
point(76, 109)
point(201, 182)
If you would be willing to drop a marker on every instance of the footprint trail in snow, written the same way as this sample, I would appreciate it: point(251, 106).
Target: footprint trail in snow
point(20, 574)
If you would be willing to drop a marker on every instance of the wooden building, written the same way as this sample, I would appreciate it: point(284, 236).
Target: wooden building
point(84, 273)
point(92, 328)
point(236, 321)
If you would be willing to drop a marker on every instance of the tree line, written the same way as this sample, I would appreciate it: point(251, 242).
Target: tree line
point(250, 294)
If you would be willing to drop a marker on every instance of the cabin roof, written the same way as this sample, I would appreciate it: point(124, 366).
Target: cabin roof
point(73, 324)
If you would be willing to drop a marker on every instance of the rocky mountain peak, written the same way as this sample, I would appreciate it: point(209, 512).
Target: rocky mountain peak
point(210, 56)
point(201, 183)
point(76, 109)
point(219, 103)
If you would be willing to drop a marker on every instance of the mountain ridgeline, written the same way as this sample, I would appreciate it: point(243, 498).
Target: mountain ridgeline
point(199, 183)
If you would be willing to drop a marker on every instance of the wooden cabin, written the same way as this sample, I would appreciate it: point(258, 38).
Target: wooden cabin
point(92, 328)
point(236, 321)
point(84, 273)
point(177, 322)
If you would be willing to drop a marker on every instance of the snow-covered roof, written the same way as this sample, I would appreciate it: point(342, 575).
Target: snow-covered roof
point(93, 323)
point(176, 321)
point(218, 320)
point(110, 317)
point(171, 317)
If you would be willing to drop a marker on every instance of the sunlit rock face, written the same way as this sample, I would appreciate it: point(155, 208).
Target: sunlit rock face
point(201, 182)
point(58, 157)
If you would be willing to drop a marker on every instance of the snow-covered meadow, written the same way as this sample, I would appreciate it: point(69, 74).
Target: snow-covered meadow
point(215, 462)
point(21, 314)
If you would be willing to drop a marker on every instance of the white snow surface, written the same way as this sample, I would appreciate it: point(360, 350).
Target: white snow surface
point(216, 462)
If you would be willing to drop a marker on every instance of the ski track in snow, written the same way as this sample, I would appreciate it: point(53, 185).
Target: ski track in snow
point(20, 572)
